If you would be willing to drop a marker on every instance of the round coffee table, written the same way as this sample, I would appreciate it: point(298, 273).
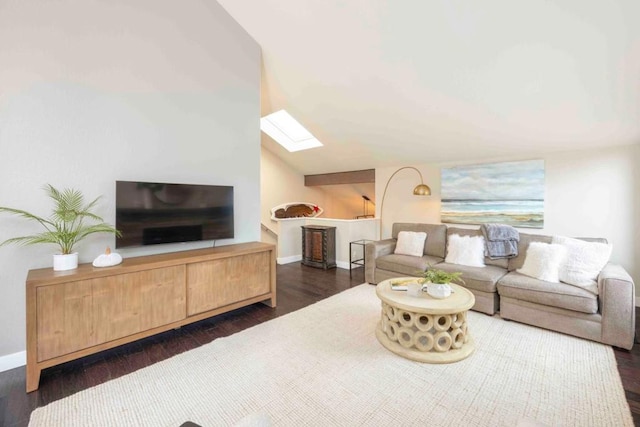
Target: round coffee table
point(424, 328)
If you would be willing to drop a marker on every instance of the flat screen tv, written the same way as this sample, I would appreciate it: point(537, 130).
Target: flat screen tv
point(150, 213)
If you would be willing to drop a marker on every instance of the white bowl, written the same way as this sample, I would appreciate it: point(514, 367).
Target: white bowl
point(439, 290)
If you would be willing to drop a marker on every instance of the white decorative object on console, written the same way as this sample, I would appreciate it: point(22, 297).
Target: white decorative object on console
point(107, 259)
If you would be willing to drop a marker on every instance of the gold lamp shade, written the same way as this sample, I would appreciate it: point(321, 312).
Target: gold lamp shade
point(422, 190)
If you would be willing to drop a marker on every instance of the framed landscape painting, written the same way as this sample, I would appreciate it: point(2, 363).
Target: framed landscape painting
point(509, 193)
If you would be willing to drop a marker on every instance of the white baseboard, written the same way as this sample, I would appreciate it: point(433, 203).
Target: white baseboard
point(637, 301)
point(289, 259)
point(342, 264)
point(14, 360)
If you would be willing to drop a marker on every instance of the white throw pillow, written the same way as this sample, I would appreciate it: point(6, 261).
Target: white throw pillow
point(465, 250)
point(410, 243)
point(542, 261)
point(583, 262)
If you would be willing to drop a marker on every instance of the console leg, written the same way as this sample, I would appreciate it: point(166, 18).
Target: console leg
point(33, 378)
point(271, 302)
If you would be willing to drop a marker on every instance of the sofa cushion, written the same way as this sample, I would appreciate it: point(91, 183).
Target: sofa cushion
point(465, 250)
point(516, 262)
point(518, 286)
point(436, 236)
point(405, 264)
point(478, 278)
point(410, 243)
point(501, 262)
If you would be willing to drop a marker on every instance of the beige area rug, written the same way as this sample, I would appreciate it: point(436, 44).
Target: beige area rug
point(322, 366)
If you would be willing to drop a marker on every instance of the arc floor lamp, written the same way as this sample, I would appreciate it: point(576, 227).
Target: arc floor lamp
point(420, 190)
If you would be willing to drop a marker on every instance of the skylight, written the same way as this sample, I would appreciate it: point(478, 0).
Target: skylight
point(286, 131)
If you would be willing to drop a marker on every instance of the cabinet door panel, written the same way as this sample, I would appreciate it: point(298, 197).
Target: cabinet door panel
point(317, 239)
point(164, 296)
point(217, 283)
point(129, 303)
point(64, 319)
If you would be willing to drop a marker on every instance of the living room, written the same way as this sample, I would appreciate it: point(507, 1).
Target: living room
point(96, 92)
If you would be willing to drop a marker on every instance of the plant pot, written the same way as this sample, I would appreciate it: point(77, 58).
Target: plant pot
point(439, 290)
point(65, 262)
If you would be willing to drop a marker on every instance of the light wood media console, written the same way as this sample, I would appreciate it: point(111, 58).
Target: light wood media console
point(72, 314)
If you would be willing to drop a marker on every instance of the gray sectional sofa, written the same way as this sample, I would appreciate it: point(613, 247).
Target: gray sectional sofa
point(608, 317)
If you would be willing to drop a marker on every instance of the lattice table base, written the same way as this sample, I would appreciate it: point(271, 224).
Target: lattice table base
point(432, 338)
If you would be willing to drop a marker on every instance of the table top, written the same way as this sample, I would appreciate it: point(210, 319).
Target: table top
point(362, 241)
point(460, 299)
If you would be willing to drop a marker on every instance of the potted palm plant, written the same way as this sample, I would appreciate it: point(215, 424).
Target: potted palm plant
point(71, 220)
point(438, 281)
point(441, 277)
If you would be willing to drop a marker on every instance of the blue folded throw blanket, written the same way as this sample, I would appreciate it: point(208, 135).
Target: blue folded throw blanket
point(500, 241)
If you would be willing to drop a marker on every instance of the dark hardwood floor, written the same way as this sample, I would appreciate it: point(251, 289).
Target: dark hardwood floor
point(298, 286)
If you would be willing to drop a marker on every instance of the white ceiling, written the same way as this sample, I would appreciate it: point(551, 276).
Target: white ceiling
point(397, 82)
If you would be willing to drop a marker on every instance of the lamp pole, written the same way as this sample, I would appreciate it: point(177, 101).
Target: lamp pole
point(420, 190)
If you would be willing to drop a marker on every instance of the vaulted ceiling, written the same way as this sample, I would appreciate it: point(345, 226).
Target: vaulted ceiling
point(396, 82)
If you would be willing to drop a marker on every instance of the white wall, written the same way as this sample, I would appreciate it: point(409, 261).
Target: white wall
point(279, 184)
point(588, 193)
point(93, 92)
point(345, 200)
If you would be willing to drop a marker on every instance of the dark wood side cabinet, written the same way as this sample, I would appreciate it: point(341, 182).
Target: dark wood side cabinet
point(319, 246)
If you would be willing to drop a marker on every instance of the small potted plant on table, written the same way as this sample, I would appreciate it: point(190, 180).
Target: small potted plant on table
point(438, 281)
point(65, 227)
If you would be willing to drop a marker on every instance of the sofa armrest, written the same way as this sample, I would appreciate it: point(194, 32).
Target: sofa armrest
point(372, 251)
point(616, 299)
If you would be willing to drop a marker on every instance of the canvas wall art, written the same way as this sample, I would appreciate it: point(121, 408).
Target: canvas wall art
point(509, 193)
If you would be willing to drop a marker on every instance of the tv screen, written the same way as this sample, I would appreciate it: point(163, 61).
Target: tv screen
point(150, 213)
